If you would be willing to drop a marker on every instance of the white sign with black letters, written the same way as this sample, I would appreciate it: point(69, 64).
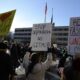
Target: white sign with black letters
point(41, 37)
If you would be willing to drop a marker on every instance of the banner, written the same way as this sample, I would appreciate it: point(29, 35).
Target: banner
point(41, 37)
point(6, 21)
point(74, 36)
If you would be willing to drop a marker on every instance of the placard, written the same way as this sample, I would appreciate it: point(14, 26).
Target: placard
point(6, 21)
point(74, 36)
point(41, 36)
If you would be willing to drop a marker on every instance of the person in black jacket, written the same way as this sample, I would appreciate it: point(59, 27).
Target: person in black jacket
point(62, 61)
point(72, 72)
point(6, 68)
point(14, 55)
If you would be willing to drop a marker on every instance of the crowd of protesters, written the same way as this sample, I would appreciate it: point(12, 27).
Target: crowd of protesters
point(11, 55)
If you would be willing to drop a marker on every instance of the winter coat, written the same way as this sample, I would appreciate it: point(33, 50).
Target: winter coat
point(26, 60)
point(38, 72)
point(6, 67)
point(72, 72)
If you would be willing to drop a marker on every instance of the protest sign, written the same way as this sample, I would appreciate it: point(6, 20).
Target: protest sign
point(6, 21)
point(41, 37)
point(74, 36)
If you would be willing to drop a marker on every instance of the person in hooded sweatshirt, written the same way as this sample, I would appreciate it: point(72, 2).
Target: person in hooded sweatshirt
point(6, 68)
point(35, 68)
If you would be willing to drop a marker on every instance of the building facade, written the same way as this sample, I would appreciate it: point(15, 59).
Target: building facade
point(59, 35)
point(22, 34)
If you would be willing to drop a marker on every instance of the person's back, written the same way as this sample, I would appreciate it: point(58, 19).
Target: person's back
point(38, 71)
point(14, 55)
point(72, 72)
point(6, 68)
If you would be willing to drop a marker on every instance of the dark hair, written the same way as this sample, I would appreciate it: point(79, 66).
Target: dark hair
point(3, 45)
point(34, 61)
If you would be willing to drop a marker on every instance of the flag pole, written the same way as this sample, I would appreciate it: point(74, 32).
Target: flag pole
point(52, 17)
point(45, 12)
point(45, 19)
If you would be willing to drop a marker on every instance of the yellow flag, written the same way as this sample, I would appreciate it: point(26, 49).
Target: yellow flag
point(6, 21)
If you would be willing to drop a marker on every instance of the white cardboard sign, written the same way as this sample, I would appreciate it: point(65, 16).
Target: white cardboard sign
point(41, 37)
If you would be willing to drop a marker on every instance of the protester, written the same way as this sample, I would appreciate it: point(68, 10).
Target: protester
point(36, 69)
point(6, 68)
point(72, 72)
point(27, 57)
point(8, 47)
point(24, 49)
point(14, 55)
point(62, 62)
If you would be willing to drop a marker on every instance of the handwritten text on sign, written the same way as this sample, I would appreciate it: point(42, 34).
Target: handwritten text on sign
point(41, 37)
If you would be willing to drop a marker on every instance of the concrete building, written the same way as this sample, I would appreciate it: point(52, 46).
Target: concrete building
point(59, 35)
point(22, 34)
